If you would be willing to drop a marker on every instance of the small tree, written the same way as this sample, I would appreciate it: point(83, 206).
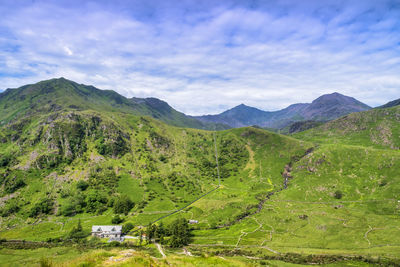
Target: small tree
point(180, 233)
point(127, 227)
point(140, 237)
point(150, 230)
point(77, 232)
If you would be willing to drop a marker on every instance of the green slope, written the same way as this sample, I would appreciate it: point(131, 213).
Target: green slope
point(60, 94)
point(333, 193)
point(377, 128)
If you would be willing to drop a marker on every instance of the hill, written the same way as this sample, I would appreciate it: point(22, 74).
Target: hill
point(324, 108)
point(328, 196)
point(377, 128)
point(60, 94)
point(391, 104)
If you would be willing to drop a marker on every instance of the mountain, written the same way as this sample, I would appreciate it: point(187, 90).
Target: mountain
point(72, 158)
point(238, 116)
point(324, 108)
point(57, 94)
point(391, 104)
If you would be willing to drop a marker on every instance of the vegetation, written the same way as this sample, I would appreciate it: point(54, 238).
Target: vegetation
point(328, 192)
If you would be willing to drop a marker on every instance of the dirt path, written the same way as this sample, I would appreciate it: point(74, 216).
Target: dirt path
point(246, 233)
point(187, 252)
point(159, 247)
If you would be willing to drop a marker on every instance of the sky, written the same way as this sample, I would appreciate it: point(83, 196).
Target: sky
point(204, 57)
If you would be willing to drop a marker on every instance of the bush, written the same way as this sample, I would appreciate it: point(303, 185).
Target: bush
point(127, 227)
point(13, 184)
point(11, 207)
point(116, 219)
point(96, 201)
point(5, 159)
point(44, 206)
point(82, 185)
point(73, 206)
point(44, 262)
point(123, 204)
point(338, 194)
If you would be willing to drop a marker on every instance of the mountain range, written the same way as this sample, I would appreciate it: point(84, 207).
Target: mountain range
point(73, 156)
point(324, 108)
point(62, 93)
point(58, 94)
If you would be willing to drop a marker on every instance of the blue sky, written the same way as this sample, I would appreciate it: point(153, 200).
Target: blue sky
point(203, 57)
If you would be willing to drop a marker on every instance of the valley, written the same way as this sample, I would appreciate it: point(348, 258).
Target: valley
point(327, 195)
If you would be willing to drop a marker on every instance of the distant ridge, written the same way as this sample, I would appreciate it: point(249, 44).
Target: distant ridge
point(324, 108)
point(391, 104)
point(60, 93)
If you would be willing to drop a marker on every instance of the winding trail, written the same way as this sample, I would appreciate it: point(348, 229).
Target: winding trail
point(159, 247)
point(246, 233)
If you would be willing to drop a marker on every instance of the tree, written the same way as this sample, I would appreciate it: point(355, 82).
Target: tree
point(77, 232)
point(150, 230)
point(140, 237)
point(123, 204)
point(180, 233)
point(127, 227)
point(159, 232)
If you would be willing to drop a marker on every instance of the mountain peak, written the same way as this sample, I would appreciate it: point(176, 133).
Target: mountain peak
point(336, 98)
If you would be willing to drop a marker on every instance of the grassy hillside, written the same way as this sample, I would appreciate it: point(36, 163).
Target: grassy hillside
point(377, 128)
point(330, 198)
point(61, 94)
point(161, 168)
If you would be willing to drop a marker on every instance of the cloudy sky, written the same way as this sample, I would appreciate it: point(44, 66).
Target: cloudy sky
point(203, 57)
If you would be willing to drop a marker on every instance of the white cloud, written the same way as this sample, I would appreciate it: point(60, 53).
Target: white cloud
point(204, 61)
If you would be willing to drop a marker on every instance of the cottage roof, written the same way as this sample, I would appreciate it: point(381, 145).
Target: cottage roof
point(107, 228)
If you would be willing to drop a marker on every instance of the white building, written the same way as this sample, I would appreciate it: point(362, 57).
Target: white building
point(111, 231)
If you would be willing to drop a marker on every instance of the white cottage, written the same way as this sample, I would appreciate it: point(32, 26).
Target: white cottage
point(111, 231)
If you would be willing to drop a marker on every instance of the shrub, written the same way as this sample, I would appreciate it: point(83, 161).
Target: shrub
point(5, 159)
point(95, 201)
point(338, 194)
point(74, 205)
point(11, 207)
point(123, 204)
point(13, 184)
point(43, 206)
point(116, 219)
point(82, 185)
point(44, 262)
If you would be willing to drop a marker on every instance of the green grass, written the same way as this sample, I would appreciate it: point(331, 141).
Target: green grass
point(163, 168)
